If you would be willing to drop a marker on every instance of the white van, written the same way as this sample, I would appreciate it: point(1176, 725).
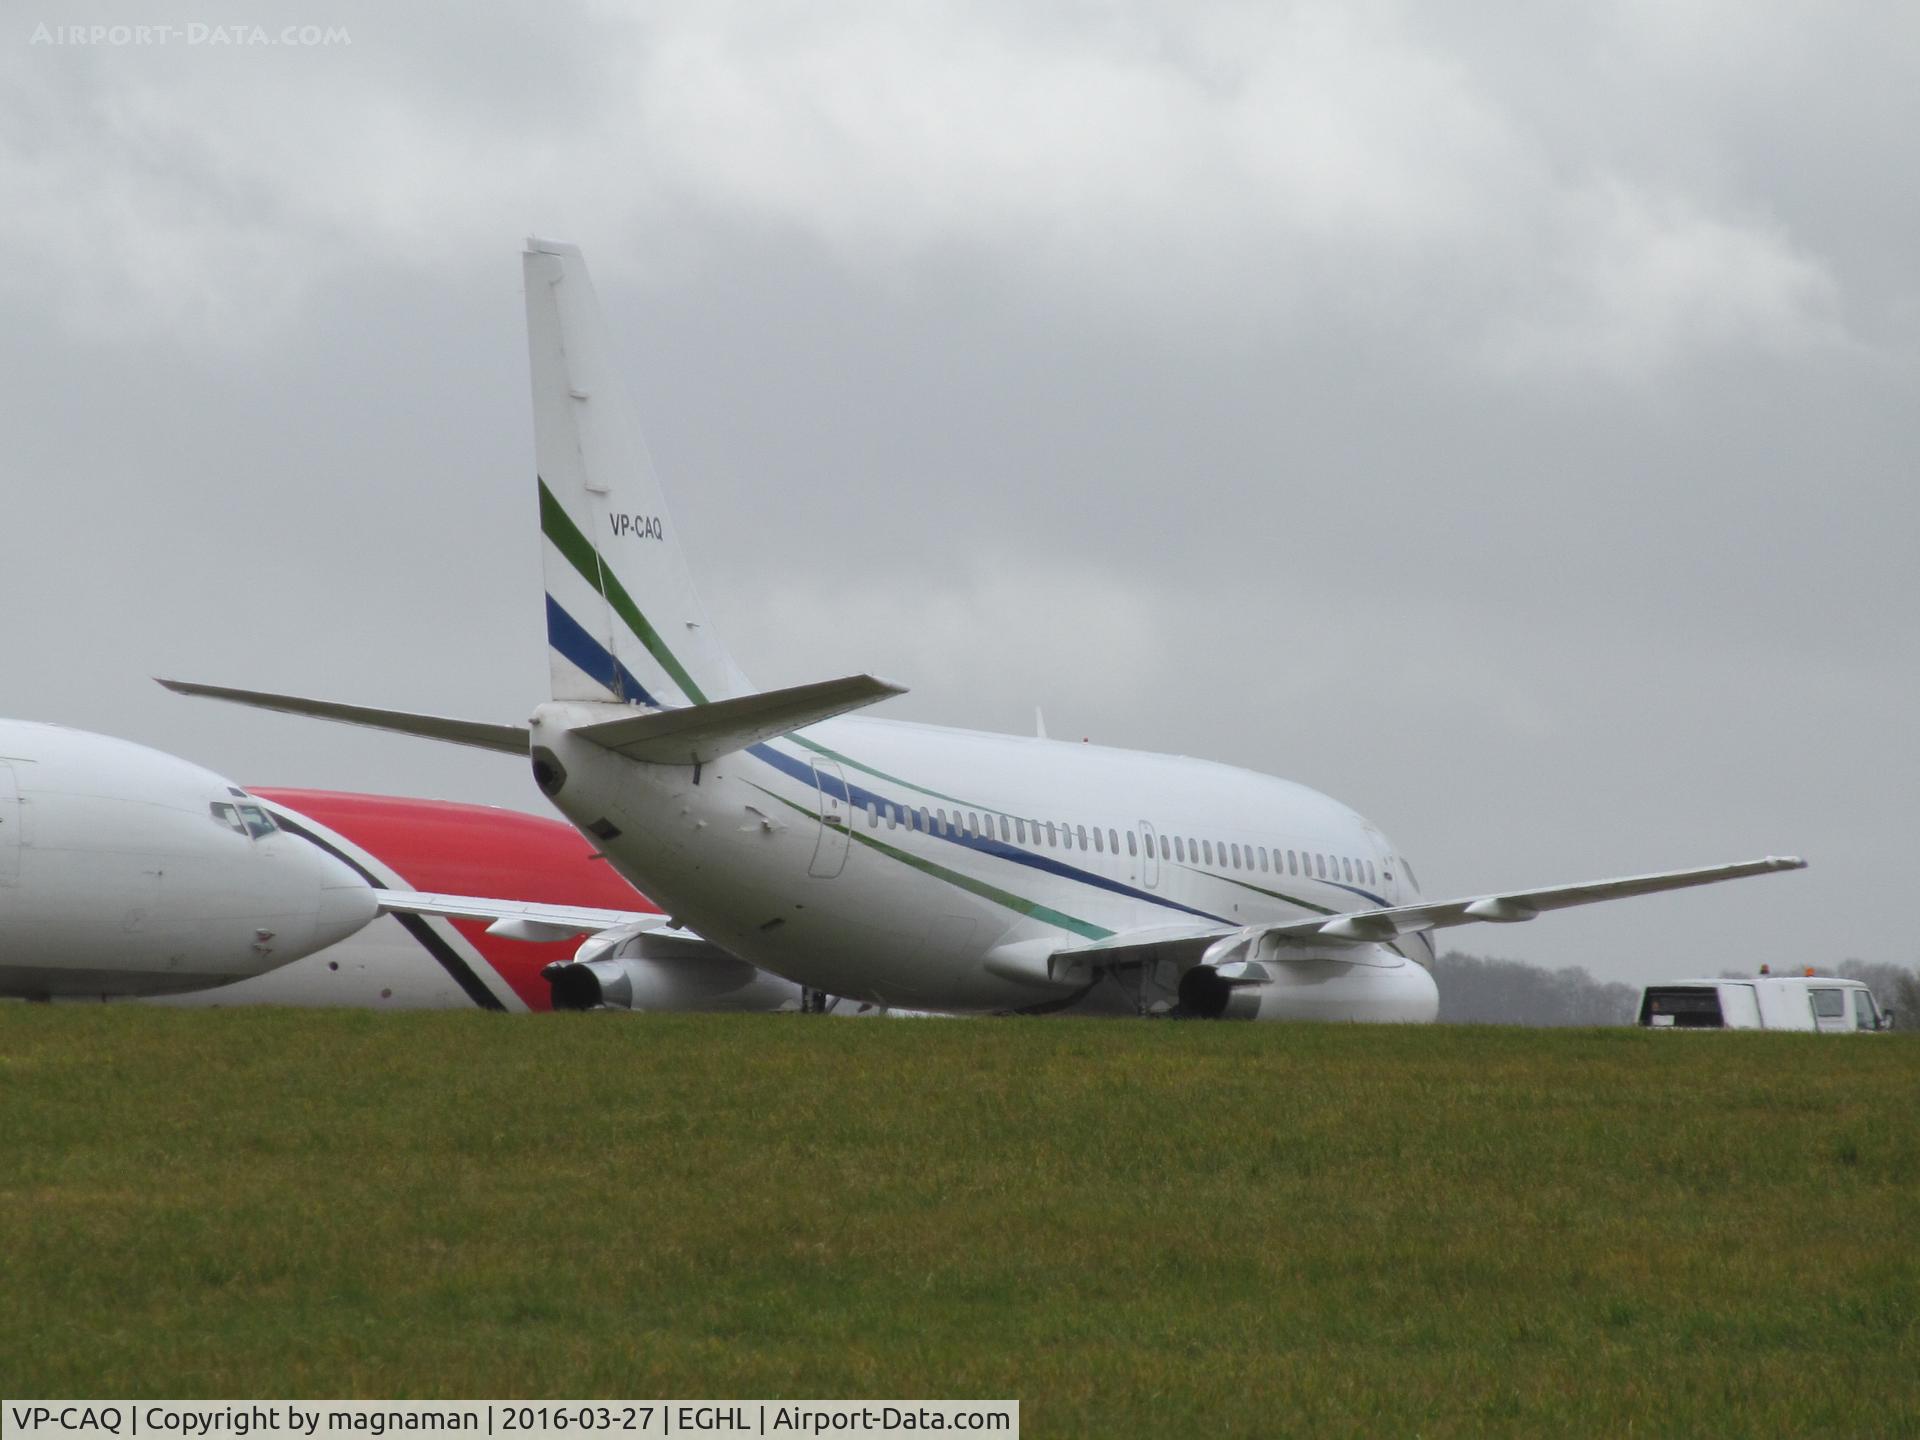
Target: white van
point(1766, 1002)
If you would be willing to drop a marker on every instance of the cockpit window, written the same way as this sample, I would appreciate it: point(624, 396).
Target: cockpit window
point(258, 822)
point(228, 816)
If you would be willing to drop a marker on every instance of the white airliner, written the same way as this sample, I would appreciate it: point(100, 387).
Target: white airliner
point(906, 864)
point(124, 871)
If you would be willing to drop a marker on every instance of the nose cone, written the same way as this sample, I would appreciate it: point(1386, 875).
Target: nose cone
point(347, 902)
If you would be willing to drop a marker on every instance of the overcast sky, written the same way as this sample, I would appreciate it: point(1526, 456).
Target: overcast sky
point(1501, 418)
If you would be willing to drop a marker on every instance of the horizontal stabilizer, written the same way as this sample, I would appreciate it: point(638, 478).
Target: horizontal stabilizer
point(512, 739)
point(695, 734)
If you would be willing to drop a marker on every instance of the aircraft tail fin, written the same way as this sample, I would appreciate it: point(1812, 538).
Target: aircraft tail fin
point(624, 622)
point(700, 733)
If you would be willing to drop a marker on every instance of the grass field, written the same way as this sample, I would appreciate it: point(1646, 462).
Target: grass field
point(1132, 1228)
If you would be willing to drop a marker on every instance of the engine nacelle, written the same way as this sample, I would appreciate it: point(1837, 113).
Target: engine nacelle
point(631, 968)
point(1357, 983)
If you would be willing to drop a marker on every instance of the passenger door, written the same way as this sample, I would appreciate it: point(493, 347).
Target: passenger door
point(1739, 1007)
point(830, 851)
point(10, 826)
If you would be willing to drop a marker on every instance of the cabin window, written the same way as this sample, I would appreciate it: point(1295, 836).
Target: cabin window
point(1179, 850)
point(227, 815)
point(1346, 868)
point(1829, 1004)
point(1036, 832)
point(1006, 829)
point(1020, 829)
point(1263, 857)
point(926, 821)
point(1164, 852)
point(1320, 865)
point(1206, 850)
point(1080, 834)
point(1133, 844)
point(1099, 845)
point(1236, 859)
point(873, 815)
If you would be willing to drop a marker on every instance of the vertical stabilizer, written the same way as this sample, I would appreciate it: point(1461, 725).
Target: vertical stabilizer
point(623, 620)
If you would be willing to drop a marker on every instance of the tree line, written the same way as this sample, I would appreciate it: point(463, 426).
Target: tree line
point(1481, 990)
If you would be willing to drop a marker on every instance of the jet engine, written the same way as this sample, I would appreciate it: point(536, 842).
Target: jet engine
point(633, 967)
point(1363, 983)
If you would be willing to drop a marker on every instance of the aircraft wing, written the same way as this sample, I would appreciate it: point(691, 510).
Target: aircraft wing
point(527, 919)
point(1193, 946)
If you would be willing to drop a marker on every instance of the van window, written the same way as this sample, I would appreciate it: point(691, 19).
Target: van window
point(1829, 1004)
point(1865, 1015)
point(1685, 1007)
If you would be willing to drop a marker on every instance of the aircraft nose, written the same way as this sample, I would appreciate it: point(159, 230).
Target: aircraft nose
point(346, 903)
